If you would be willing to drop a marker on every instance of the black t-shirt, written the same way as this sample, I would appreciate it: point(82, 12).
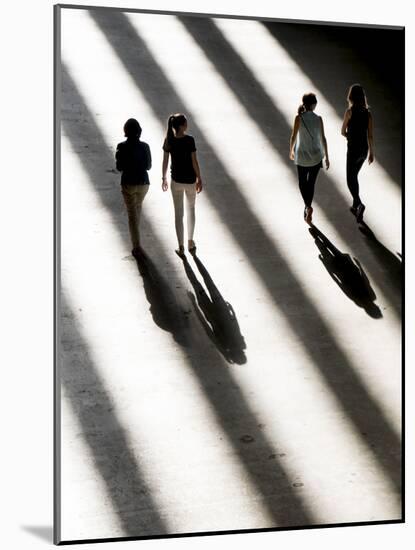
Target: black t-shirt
point(133, 159)
point(181, 150)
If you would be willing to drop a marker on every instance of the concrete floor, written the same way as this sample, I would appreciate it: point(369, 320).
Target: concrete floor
point(258, 384)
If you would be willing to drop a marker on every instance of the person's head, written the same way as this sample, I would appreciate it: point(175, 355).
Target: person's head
point(356, 96)
point(309, 103)
point(132, 128)
point(175, 123)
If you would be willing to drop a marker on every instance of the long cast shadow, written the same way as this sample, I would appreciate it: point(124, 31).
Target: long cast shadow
point(164, 307)
point(392, 264)
point(230, 406)
point(270, 121)
point(216, 315)
point(103, 432)
point(347, 273)
point(352, 396)
point(334, 57)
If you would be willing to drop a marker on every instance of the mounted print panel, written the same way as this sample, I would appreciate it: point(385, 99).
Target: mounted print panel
point(229, 274)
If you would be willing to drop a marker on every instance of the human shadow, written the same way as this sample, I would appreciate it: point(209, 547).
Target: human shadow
point(375, 57)
point(233, 411)
point(164, 307)
point(347, 273)
point(216, 315)
point(344, 381)
point(392, 263)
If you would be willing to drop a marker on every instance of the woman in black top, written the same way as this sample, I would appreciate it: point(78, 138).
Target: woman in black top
point(358, 130)
point(185, 176)
point(133, 159)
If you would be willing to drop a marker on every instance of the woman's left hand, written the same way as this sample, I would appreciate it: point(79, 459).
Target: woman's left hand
point(327, 164)
point(199, 185)
point(371, 158)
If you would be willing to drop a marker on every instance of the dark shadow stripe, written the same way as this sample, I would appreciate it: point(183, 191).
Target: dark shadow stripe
point(370, 424)
point(267, 475)
point(91, 403)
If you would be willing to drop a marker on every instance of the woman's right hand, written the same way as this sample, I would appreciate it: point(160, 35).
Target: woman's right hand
point(164, 184)
point(291, 155)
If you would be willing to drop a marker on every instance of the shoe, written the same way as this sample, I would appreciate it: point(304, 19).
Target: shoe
point(137, 252)
point(308, 214)
point(359, 212)
point(180, 251)
point(192, 247)
point(353, 210)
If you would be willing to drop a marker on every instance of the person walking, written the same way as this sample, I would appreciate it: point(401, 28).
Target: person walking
point(357, 128)
point(185, 177)
point(308, 147)
point(133, 160)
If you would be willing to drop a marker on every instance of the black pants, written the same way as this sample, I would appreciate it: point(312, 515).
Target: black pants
point(307, 176)
point(354, 163)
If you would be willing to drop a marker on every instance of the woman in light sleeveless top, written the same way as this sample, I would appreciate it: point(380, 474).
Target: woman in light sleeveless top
point(308, 147)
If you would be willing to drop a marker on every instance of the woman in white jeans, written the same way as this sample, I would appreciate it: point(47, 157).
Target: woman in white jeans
point(185, 177)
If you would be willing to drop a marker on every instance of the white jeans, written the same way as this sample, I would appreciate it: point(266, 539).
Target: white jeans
point(178, 190)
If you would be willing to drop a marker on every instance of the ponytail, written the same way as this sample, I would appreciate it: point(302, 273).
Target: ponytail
point(170, 133)
point(173, 124)
point(308, 101)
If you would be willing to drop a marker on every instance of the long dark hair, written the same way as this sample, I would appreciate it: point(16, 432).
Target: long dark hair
point(132, 128)
point(307, 102)
point(173, 124)
point(357, 97)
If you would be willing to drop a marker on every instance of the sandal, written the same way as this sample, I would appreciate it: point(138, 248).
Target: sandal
point(308, 215)
point(192, 247)
point(180, 251)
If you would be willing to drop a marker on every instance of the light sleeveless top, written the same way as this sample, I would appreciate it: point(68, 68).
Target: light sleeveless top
point(309, 149)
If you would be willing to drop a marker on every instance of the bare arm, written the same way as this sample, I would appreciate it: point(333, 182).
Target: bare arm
point(370, 138)
point(164, 184)
point(119, 158)
point(293, 137)
point(324, 141)
point(346, 120)
point(197, 170)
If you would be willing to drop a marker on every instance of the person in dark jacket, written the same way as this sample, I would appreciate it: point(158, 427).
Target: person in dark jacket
point(133, 159)
point(357, 128)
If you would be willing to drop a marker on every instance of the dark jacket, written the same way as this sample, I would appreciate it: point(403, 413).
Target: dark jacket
point(133, 159)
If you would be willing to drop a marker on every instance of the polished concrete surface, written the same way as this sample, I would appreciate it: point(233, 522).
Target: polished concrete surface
point(257, 384)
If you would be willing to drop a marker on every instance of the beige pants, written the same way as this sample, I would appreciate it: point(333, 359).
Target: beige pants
point(133, 198)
